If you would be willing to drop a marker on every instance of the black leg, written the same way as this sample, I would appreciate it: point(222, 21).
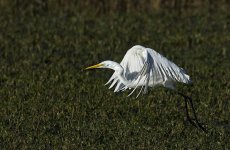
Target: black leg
point(194, 113)
point(187, 113)
point(186, 98)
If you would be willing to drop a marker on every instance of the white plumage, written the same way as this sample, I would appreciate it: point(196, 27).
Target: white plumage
point(143, 67)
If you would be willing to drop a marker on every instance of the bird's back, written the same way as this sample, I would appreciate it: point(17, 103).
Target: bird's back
point(145, 67)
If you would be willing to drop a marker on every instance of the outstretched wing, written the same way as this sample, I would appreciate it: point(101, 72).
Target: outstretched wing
point(145, 67)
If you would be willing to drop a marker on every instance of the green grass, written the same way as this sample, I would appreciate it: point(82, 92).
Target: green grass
point(47, 102)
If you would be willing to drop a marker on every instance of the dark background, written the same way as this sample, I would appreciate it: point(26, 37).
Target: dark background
point(47, 102)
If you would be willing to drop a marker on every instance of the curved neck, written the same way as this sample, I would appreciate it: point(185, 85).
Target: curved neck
point(119, 70)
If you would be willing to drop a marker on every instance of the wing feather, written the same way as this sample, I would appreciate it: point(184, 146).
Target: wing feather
point(145, 67)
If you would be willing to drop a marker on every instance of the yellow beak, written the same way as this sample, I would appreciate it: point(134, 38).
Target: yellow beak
point(94, 66)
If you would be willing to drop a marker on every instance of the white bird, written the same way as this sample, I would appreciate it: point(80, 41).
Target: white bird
point(144, 67)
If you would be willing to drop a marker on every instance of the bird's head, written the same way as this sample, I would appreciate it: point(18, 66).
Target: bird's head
point(105, 64)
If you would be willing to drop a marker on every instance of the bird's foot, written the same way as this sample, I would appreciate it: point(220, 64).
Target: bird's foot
point(194, 123)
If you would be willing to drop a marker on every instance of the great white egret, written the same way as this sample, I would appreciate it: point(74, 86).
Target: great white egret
point(144, 67)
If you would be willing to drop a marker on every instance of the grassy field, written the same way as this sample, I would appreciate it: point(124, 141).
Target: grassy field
point(47, 102)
